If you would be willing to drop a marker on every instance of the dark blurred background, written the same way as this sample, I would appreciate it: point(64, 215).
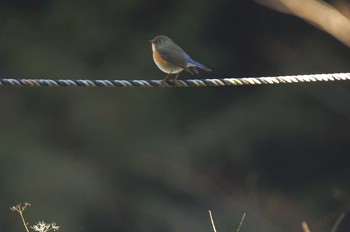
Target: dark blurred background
point(157, 159)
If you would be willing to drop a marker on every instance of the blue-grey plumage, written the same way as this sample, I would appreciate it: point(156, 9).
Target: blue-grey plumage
point(171, 59)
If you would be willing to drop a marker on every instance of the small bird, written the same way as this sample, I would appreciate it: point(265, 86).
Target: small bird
point(171, 59)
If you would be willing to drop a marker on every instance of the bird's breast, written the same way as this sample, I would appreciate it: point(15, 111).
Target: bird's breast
point(162, 64)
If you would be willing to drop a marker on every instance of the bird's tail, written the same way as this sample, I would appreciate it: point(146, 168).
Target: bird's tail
point(195, 63)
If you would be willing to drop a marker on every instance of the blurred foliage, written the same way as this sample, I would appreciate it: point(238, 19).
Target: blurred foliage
point(158, 159)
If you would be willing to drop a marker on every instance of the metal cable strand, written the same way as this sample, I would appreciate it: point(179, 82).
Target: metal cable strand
point(178, 83)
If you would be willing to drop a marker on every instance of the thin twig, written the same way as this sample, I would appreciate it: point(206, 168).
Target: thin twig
point(240, 224)
point(337, 223)
point(212, 221)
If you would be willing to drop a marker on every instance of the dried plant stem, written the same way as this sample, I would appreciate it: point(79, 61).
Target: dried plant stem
point(213, 224)
point(19, 208)
point(24, 222)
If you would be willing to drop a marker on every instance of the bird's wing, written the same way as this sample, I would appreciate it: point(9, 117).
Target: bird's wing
point(175, 56)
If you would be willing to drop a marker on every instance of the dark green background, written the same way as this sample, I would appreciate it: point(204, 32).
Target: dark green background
point(157, 159)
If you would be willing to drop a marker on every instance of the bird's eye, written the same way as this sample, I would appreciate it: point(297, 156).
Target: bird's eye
point(160, 41)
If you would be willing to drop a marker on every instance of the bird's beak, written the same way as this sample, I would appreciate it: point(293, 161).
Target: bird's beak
point(151, 40)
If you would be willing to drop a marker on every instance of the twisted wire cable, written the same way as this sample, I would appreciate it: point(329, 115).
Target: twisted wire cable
point(212, 82)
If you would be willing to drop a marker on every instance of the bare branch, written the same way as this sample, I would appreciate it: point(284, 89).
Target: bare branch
point(316, 12)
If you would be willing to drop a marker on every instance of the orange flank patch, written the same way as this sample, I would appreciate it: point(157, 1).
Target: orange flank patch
point(159, 59)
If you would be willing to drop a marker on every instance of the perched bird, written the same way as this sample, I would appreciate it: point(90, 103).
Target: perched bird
point(171, 59)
